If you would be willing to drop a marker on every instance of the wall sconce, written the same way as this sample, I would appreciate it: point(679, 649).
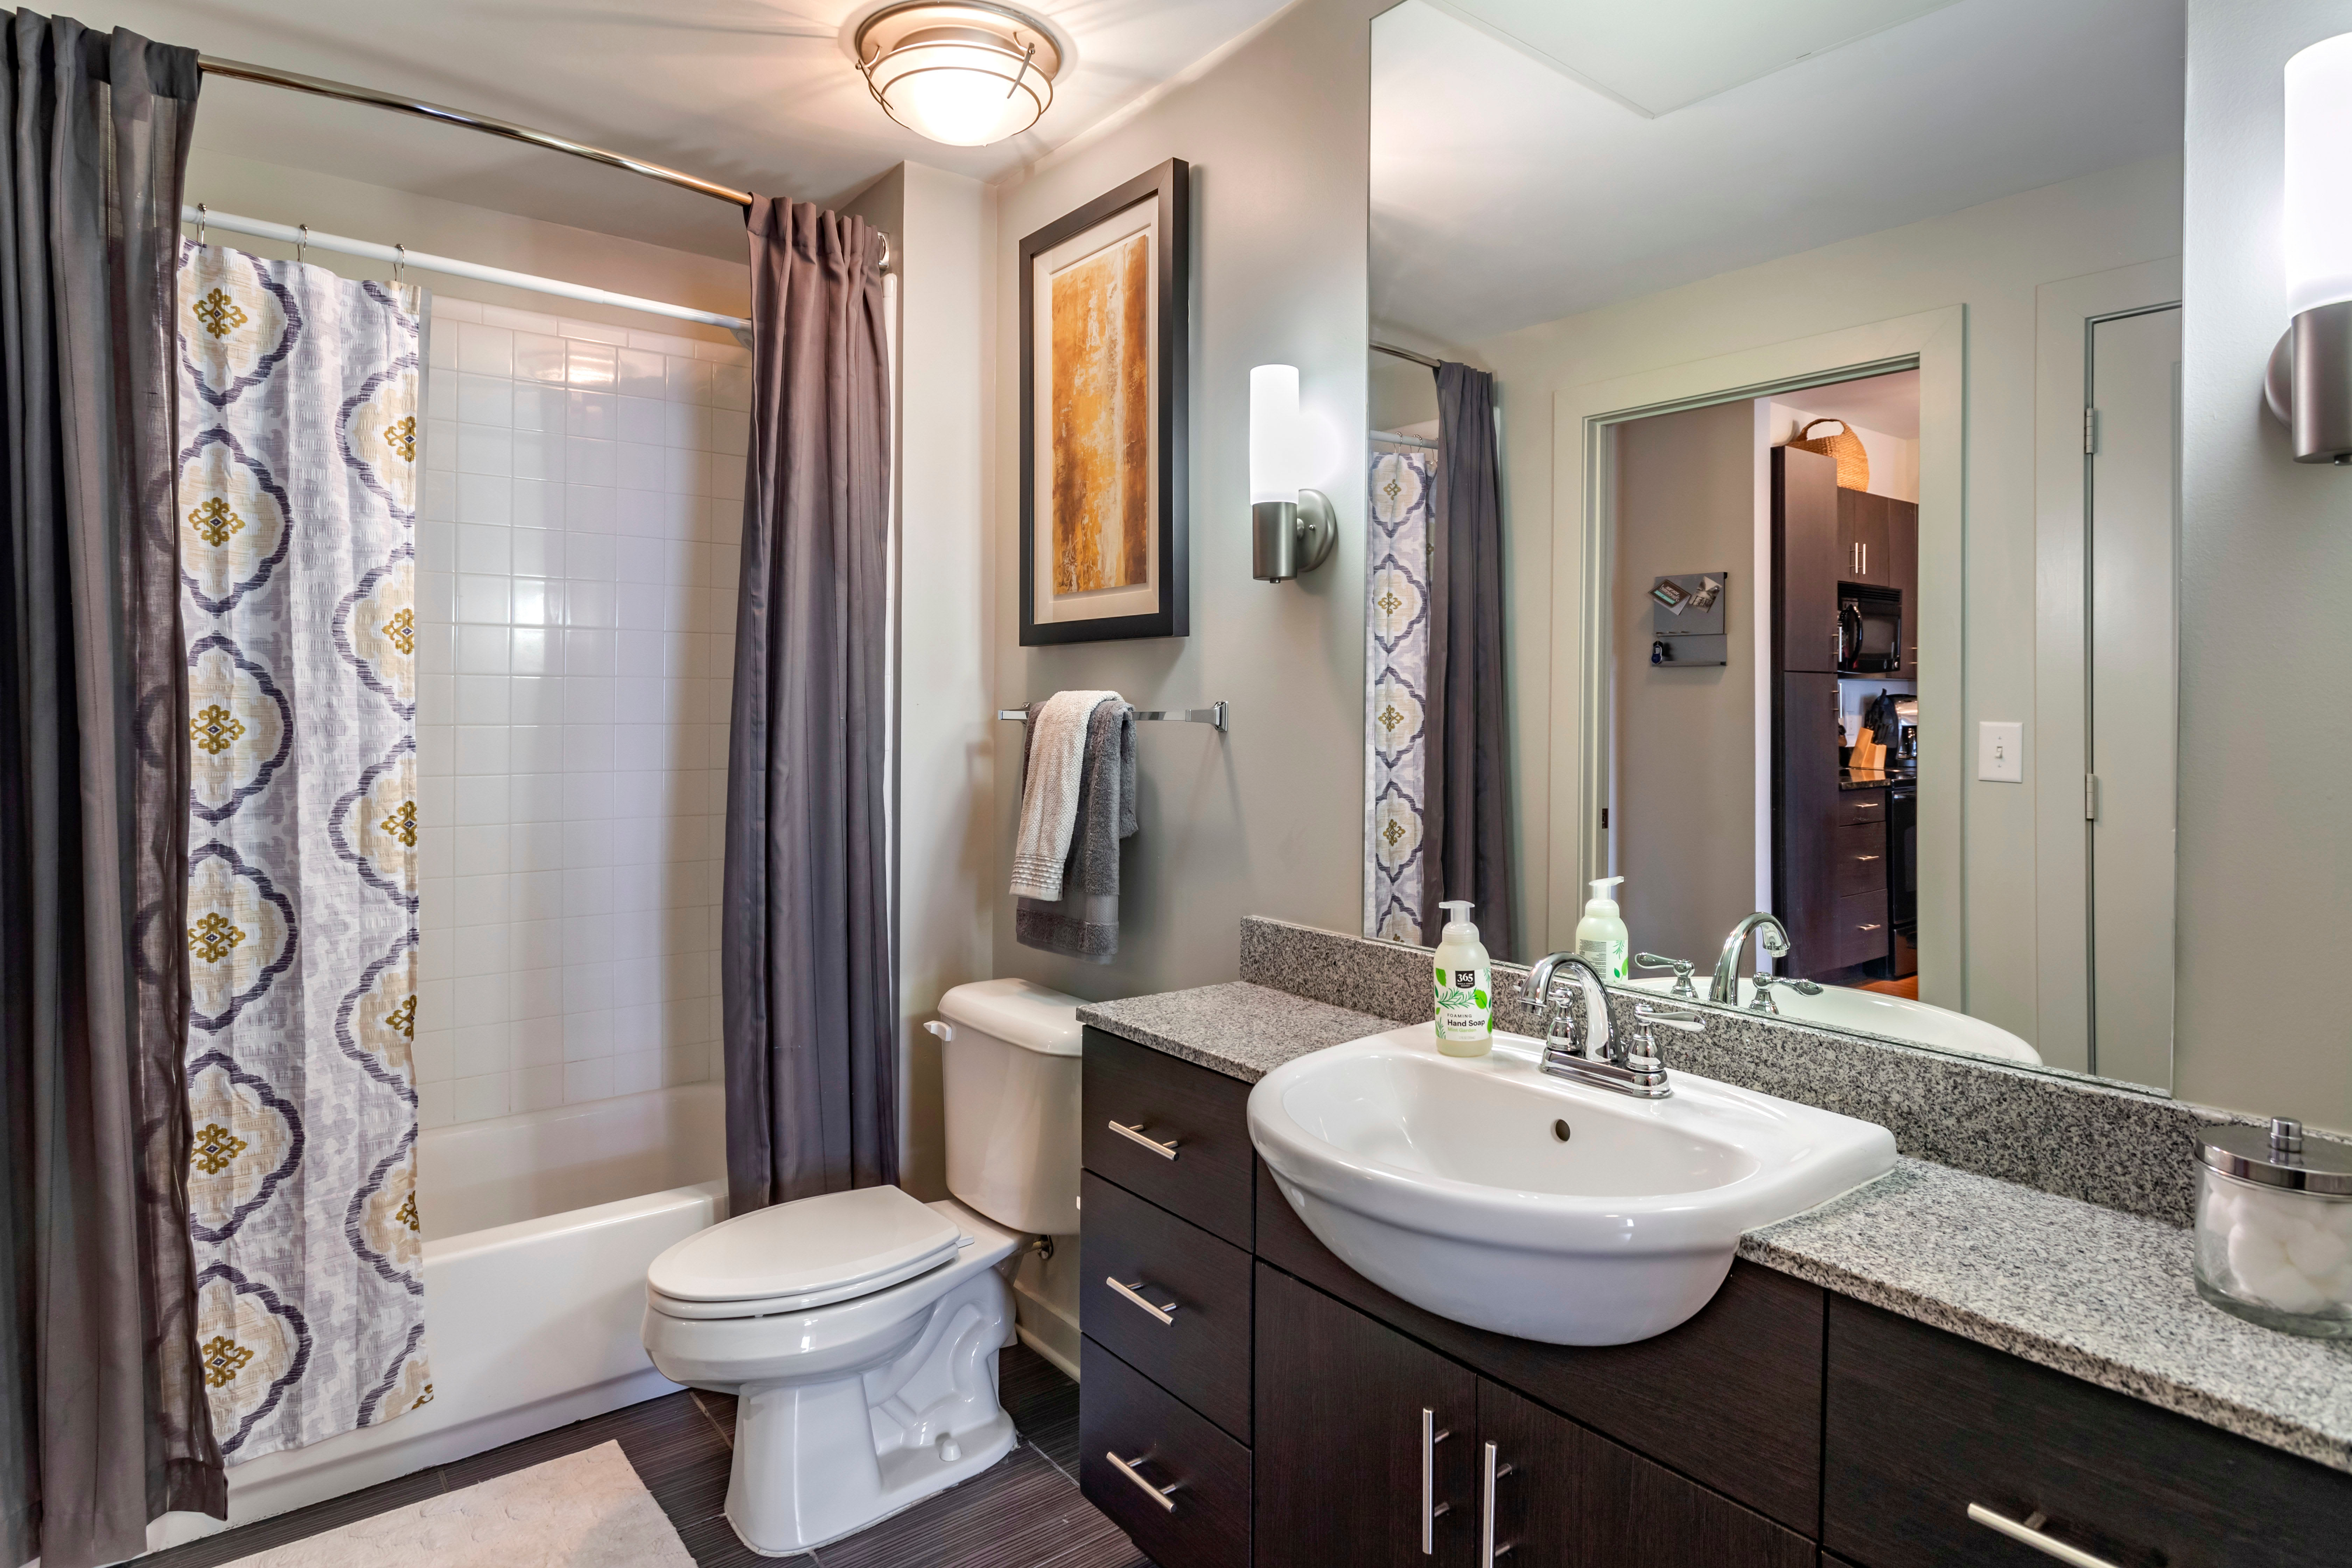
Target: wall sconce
point(2309, 386)
point(1292, 527)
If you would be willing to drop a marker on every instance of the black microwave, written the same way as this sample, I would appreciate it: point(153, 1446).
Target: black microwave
point(1870, 630)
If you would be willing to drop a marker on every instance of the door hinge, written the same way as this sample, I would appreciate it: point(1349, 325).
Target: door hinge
point(1604, 816)
point(2090, 432)
point(2090, 797)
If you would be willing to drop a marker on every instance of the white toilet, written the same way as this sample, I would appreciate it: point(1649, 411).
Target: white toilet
point(859, 1330)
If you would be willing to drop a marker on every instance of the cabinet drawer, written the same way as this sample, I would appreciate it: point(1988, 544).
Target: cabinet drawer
point(1187, 1144)
point(1858, 860)
point(1921, 1424)
point(1201, 1353)
point(1860, 805)
point(1861, 929)
point(1202, 1522)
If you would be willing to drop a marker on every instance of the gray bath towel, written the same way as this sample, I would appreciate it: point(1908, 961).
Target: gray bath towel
point(1084, 923)
point(1050, 772)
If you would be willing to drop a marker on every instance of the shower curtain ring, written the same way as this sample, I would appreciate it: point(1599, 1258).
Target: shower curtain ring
point(302, 245)
point(203, 216)
point(401, 266)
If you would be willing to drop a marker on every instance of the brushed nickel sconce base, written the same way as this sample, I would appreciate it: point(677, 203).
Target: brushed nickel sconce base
point(2308, 386)
point(1288, 538)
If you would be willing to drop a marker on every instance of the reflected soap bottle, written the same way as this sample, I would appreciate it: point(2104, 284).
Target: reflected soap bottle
point(1465, 986)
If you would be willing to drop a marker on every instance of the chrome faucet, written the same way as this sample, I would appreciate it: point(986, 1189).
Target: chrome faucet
point(1766, 1003)
point(1725, 986)
point(1602, 1060)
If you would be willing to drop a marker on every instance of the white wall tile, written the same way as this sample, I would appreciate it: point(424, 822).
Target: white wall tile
point(574, 649)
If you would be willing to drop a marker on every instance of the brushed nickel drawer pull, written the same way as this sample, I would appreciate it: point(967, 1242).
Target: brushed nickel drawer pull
point(1135, 1293)
point(1135, 1135)
point(1157, 1494)
point(1430, 1436)
point(1488, 1550)
point(1866, 857)
point(2029, 1530)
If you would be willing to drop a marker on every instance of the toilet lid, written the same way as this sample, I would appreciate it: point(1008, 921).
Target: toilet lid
point(838, 1245)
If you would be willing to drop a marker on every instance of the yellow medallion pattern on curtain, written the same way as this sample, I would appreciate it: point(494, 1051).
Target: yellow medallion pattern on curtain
point(298, 474)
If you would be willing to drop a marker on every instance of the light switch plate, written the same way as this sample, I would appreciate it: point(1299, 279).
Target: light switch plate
point(2001, 752)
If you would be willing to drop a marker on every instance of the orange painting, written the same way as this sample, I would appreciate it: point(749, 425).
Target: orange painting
point(1101, 412)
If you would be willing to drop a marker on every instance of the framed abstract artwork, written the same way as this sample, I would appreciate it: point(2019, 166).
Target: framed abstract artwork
point(1105, 298)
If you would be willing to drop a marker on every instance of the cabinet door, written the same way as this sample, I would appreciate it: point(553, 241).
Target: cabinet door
point(1807, 807)
point(1344, 1470)
point(1566, 1497)
point(1903, 576)
point(1805, 547)
point(1863, 539)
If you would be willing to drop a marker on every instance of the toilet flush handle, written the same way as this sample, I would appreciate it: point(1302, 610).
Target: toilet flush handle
point(945, 1031)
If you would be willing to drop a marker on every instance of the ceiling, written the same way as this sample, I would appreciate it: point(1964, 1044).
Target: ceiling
point(746, 92)
point(1508, 191)
point(1887, 404)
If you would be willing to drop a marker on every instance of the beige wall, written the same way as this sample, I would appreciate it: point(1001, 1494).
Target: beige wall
point(1685, 831)
point(1268, 819)
point(939, 225)
point(1988, 258)
point(2265, 871)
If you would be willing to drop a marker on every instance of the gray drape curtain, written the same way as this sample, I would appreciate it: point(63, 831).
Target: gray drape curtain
point(807, 981)
point(1466, 833)
point(102, 1418)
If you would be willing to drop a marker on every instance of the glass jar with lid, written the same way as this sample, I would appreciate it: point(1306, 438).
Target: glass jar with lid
point(2274, 1226)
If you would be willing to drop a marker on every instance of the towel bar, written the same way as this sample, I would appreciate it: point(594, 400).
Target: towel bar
point(1213, 714)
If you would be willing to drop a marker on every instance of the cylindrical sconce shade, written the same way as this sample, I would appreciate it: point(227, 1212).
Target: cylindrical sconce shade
point(2318, 172)
point(1277, 463)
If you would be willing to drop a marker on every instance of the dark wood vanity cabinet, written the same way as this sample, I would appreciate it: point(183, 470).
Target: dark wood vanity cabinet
point(1256, 1401)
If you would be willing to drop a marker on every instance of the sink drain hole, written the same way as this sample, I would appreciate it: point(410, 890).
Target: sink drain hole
point(1559, 1131)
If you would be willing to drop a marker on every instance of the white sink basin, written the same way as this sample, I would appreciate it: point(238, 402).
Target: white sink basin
point(1861, 1012)
point(1444, 1180)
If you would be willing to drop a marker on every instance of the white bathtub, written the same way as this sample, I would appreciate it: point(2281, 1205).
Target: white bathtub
point(538, 1229)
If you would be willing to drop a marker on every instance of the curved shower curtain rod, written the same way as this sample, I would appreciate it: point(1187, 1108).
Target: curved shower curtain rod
point(401, 103)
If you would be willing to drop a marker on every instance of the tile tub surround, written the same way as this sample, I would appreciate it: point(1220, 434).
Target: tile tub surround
point(2063, 1133)
point(2090, 1290)
point(577, 542)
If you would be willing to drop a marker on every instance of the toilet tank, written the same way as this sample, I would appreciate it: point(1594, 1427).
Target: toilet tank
point(1010, 1090)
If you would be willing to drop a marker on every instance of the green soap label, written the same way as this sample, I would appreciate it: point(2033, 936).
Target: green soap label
point(1462, 1004)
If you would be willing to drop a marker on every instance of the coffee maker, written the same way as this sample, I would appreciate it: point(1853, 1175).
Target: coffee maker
point(1906, 731)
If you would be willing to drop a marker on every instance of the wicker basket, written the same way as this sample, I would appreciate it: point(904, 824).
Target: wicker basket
point(1853, 462)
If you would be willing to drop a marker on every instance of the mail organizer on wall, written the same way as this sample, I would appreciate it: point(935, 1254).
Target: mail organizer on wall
point(1686, 625)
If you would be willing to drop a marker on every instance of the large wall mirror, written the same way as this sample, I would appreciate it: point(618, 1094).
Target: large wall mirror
point(1773, 499)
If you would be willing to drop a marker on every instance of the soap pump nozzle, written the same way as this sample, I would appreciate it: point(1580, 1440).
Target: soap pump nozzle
point(1459, 914)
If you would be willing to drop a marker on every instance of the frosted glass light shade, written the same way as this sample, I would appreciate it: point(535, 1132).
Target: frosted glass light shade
point(961, 73)
point(2319, 174)
point(1278, 462)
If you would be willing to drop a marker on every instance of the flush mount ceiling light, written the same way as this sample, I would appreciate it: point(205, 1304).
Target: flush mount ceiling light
point(962, 73)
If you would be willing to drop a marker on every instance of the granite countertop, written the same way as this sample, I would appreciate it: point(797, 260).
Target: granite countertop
point(1850, 779)
point(2092, 1291)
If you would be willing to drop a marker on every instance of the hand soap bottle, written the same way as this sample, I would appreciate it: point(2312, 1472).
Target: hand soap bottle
point(1465, 986)
point(1600, 938)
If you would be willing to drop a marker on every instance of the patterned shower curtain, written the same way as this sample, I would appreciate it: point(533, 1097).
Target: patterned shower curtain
point(296, 498)
point(1396, 666)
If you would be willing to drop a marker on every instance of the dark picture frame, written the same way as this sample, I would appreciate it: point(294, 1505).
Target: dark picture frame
point(1169, 188)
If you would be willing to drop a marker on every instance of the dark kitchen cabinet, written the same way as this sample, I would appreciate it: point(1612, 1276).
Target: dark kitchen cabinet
point(1366, 1441)
point(1805, 543)
point(1806, 818)
point(1864, 547)
point(1903, 563)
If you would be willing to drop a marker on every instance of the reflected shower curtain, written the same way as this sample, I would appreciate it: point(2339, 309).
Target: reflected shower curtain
point(102, 1407)
point(297, 499)
point(1401, 501)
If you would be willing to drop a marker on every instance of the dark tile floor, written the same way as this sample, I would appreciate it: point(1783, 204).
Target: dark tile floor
point(1025, 1511)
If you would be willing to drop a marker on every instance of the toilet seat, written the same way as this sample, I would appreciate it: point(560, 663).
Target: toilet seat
point(810, 1252)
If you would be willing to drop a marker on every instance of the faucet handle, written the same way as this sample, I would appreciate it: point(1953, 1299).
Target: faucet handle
point(1766, 1003)
point(1681, 968)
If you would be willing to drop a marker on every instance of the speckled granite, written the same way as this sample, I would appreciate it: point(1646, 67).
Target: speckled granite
point(2102, 1296)
point(1242, 1030)
point(2061, 1132)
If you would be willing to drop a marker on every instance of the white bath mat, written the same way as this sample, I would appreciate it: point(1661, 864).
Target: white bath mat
point(584, 1510)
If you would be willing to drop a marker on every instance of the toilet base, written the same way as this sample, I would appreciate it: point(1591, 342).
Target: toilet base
point(802, 1478)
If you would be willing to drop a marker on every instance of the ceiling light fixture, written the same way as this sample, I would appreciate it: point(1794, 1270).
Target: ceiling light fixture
point(962, 73)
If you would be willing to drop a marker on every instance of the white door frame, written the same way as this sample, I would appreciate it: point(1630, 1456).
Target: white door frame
point(1936, 342)
point(2064, 312)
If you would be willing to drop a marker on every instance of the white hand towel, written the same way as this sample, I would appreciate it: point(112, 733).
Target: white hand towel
point(1049, 797)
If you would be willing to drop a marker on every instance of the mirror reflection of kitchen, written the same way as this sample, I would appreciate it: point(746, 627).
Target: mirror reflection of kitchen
point(1838, 520)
